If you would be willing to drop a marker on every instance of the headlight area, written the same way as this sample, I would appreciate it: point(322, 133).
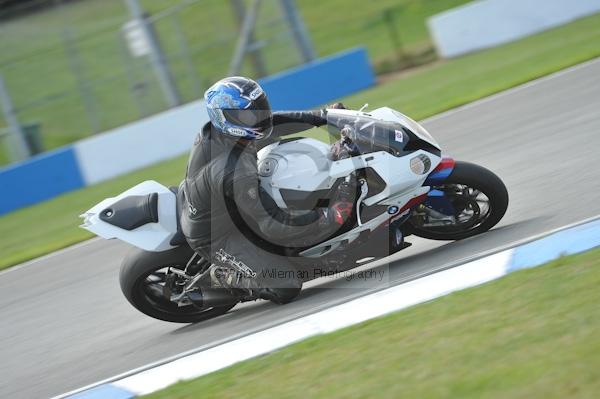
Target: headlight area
point(420, 165)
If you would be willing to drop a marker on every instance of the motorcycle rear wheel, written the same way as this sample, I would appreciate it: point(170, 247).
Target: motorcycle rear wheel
point(141, 278)
point(479, 197)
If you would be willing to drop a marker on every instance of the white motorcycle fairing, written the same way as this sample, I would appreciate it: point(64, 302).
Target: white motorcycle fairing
point(381, 178)
point(302, 166)
point(154, 236)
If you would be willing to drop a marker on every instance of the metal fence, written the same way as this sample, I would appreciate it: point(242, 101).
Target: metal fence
point(74, 69)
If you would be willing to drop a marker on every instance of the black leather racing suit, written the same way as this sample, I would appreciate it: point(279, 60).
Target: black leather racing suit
point(226, 212)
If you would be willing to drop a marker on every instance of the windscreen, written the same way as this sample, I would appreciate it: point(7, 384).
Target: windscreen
point(415, 127)
point(369, 134)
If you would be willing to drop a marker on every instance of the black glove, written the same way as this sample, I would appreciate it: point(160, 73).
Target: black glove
point(337, 106)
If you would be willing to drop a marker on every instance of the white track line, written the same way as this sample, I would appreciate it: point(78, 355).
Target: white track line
point(315, 309)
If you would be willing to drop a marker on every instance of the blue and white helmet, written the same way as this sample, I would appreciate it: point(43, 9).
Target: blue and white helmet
point(239, 108)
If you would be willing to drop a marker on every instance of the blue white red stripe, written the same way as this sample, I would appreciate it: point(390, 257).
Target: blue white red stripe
point(441, 172)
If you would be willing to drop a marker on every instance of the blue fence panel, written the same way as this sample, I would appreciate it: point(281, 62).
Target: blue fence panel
point(38, 179)
point(305, 86)
point(320, 81)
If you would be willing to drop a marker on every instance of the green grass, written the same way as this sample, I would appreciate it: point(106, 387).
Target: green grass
point(458, 81)
point(421, 94)
point(40, 68)
point(4, 156)
point(51, 225)
point(532, 334)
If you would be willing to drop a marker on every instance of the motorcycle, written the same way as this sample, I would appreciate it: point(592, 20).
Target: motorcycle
point(402, 184)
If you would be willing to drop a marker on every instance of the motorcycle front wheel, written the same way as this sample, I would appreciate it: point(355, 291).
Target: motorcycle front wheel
point(478, 198)
point(143, 276)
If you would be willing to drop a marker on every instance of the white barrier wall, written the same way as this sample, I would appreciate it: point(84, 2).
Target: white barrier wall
point(141, 143)
point(487, 23)
point(171, 133)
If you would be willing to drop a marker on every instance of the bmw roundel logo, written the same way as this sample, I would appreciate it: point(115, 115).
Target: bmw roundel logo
point(393, 210)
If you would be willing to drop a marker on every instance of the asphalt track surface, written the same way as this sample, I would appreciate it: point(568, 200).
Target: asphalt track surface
point(65, 324)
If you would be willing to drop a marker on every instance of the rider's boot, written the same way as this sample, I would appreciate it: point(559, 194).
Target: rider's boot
point(246, 287)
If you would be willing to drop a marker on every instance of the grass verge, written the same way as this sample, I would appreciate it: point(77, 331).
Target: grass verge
point(45, 227)
point(45, 56)
point(531, 334)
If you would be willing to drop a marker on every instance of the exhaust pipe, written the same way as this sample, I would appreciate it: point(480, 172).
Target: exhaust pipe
point(210, 297)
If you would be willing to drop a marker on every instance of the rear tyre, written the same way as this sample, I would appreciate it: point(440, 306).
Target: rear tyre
point(141, 278)
point(480, 200)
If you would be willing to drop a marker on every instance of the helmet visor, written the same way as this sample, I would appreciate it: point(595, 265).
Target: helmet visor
point(257, 115)
point(251, 118)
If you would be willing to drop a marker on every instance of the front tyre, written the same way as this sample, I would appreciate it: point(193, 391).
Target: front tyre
point(142, 277)
point(478, 198)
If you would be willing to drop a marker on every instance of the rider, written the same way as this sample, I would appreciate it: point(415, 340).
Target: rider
point(226, 217)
